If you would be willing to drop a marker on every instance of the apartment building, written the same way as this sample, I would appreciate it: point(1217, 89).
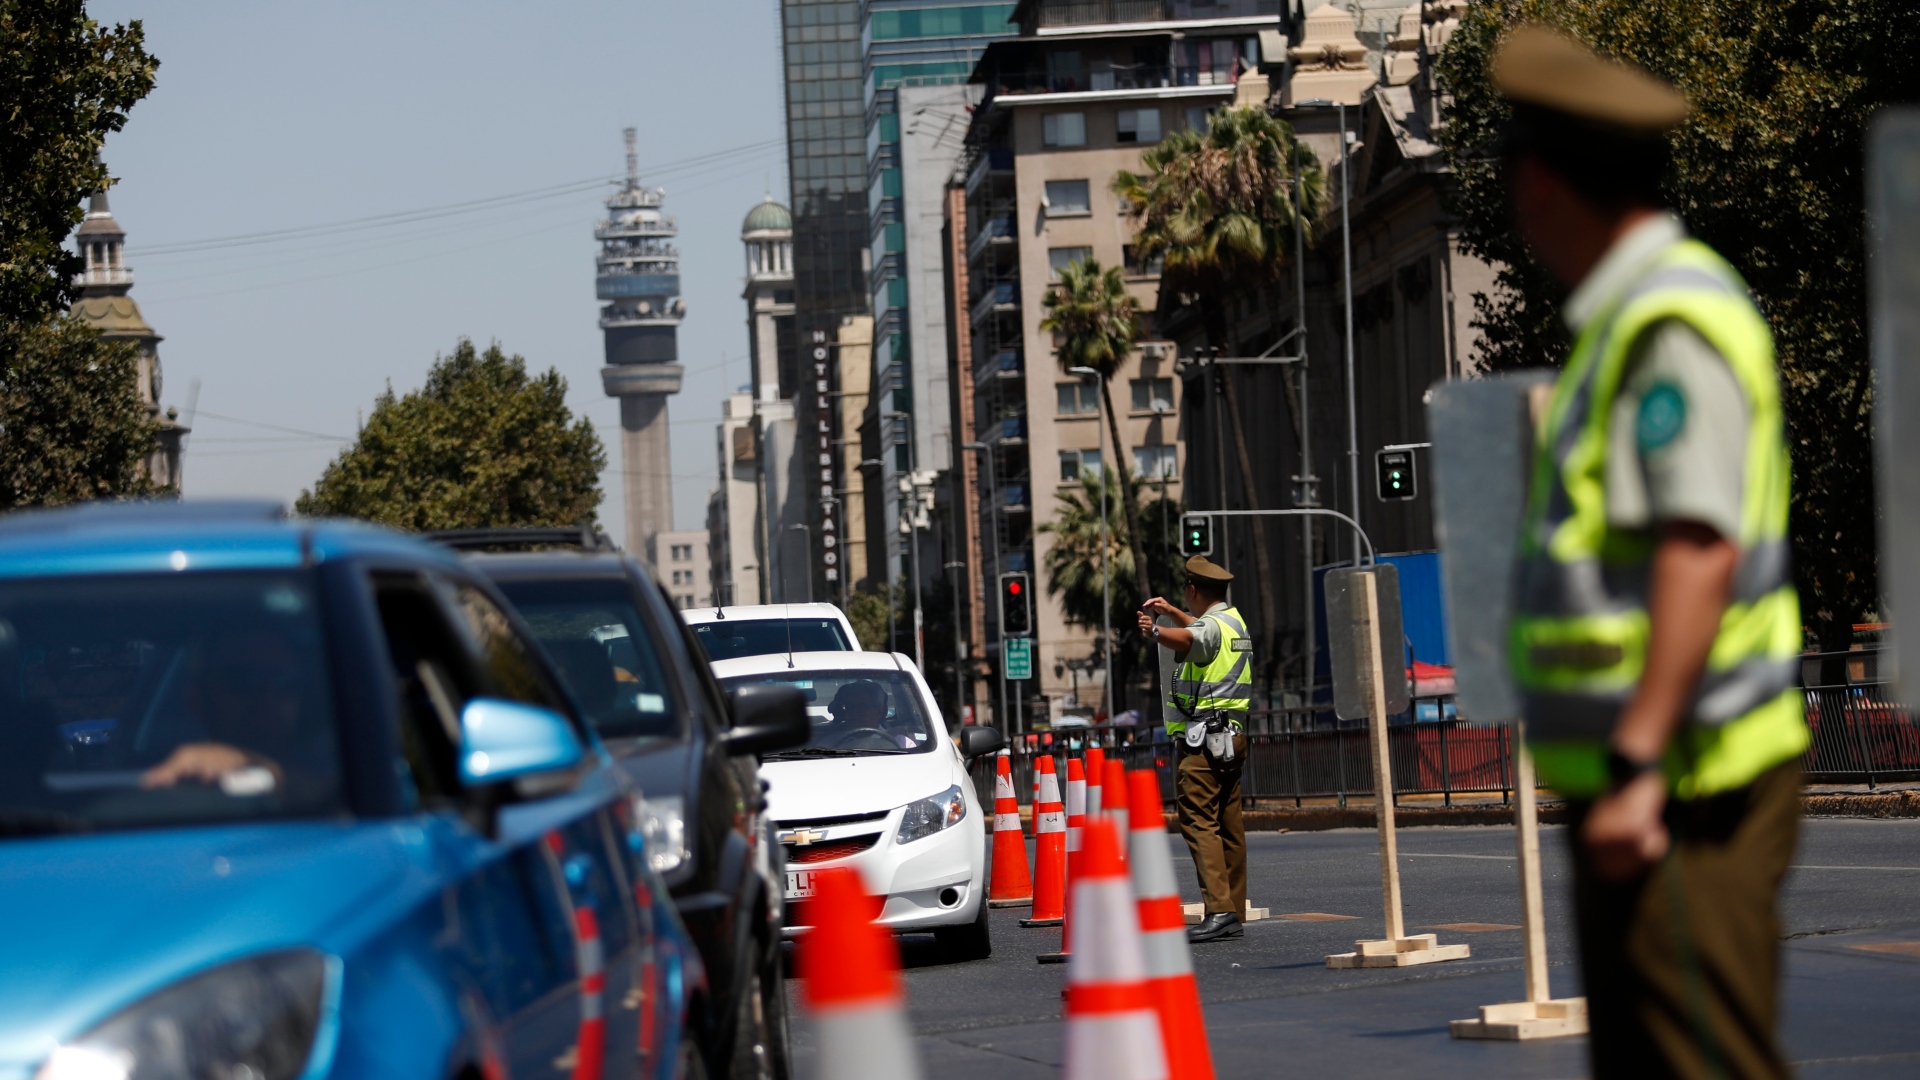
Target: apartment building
point(1075, 99)
point(680, 558)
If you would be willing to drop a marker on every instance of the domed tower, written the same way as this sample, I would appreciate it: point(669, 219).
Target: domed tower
point(105, 305)
point(639, 275)
point(767, 234)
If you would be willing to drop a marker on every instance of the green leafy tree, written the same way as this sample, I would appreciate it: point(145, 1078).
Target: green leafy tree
point(1096, 322)
point(1767, 170)
point(65, 83)
point(483, 444)
point(870, 613)
point(72, 426)
point(1218, 208)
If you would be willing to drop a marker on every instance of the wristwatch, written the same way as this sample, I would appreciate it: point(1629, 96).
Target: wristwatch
point(1623, 770)
point(1156, 631)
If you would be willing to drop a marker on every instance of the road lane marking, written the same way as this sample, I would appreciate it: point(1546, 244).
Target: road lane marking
point(1431, 855)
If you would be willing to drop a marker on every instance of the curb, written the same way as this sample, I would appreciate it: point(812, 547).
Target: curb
point(1890, 804)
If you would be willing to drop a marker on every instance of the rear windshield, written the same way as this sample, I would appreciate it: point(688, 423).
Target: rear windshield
point(594, 633)
point(134, 700)
point(728, 638)
point(856, 713)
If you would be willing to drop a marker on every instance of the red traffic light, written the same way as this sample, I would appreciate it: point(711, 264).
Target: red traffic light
point(1013, 587)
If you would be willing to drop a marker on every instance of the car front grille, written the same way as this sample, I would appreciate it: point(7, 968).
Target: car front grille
point(829, 851)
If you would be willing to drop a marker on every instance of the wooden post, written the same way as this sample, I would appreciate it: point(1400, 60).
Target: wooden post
point(1538, 1016)
point(1396, 949)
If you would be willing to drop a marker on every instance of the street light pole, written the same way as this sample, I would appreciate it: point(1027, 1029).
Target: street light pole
point(1309, 495)
point(1106, 579)
point(993, 511)
point(807, 539)
point(1346, 258)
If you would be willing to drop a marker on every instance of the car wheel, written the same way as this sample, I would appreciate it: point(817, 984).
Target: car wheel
point(759, 1029)
point(973, 941)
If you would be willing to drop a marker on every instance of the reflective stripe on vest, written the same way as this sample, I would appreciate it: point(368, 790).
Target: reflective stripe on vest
point(1224, 686)
point(1579, 636)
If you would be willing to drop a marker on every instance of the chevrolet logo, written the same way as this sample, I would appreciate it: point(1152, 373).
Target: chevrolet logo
point(802, 837)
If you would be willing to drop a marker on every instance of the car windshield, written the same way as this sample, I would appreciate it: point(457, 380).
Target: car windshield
point(856, 713)
point(726, 639)
point(593, 631)
point(132, 701)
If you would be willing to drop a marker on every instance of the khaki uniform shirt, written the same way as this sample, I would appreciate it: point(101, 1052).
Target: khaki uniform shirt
point(1206, 639)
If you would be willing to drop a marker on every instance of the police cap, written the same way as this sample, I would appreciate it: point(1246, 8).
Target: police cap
point(1201, 568)
point(1545, 68)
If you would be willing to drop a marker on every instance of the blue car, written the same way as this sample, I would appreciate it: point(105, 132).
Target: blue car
point(286, 799)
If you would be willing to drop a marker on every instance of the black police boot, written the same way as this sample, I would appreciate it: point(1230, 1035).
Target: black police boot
point(1220, 924)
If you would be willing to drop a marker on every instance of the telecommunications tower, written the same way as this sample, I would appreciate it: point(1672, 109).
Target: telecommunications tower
point(639, 278)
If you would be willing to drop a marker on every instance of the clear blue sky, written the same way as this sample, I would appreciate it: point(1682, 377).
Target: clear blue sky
point(270, 116)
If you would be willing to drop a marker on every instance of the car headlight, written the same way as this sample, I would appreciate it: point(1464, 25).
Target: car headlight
point(257, 1018)
point(929, 816)
point(663, 825)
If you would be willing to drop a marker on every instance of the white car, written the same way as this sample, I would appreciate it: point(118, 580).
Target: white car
point(880, 788)
point(762, 629)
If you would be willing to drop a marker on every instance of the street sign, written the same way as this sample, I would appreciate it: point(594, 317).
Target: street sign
point(1394, 478)
point(1482, 443)
point(1196, 535)
point(1017, 657)
point(1893, 274)
point(1351, 636)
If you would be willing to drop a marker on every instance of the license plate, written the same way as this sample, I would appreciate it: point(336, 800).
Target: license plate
point(799, 884)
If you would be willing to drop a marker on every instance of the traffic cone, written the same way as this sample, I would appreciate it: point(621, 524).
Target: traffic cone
point(1050, 851)
point(1011, 885)
point(1113, 794)
point(1096, 780)
point(1163, 932)
point(850, 975)
point(1076, 822)
point(1113, 1030)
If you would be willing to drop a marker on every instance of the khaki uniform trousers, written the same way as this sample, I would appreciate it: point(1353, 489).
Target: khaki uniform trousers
point(1208, 797)
point(1683, 966)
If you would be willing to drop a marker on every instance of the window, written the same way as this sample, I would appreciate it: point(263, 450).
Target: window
point(593, 632)
point(1074, 462)
point(508, 658)
point(1078, 398)
point(1136, 125)
point(729, 638)
point(1130, 256)
point(1197, 118)
point(1152, 395)
point(682, 553)
point(1064, 129)
point(864, 711)
point(1060, 258)
point(1067, 197)
point(1156, 462)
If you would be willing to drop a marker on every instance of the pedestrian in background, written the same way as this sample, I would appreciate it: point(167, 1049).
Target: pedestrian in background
point(1657, 629)
point(1211, 694)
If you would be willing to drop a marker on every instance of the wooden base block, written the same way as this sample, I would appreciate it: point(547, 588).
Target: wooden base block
point(1051, 958)
point(1041, 922)
point(1196, 912)
point(1515, 1020)
point(1398, 952)
point(1028, 902)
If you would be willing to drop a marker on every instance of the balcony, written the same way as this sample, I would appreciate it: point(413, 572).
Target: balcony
point(1067, 13)
point(1013, 498)
point(1011, 429)
point(104, 275)
point(636, 230)
point(621, 286)
point(1005, 364)
point(997, 296)
point(992, 161)
point(994, 230)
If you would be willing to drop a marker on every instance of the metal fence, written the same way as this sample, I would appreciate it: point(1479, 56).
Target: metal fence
point(1861, 735)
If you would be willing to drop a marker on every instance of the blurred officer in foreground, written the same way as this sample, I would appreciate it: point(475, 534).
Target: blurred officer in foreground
point(1211, 694)
point(1657, 628)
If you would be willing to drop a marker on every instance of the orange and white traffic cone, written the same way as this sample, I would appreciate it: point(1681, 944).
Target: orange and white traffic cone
point(850, 973)
point(1076, 822)
point(1113, 794)
point(1011, 885)
point(1096, 780)
point(1113, 1029)
point(1049, 851)
point(590, 1050)
point(1163, 933)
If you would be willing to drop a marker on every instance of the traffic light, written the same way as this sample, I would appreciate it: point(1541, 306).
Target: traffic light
point(1394, 476)
point(1016, 607)
point(1196, 534)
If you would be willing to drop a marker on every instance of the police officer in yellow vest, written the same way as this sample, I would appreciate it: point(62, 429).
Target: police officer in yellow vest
point(1656, 626)
point(1211, 693)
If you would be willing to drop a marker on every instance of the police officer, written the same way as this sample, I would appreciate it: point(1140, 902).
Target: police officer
point(1656, 628)
point(1211, 694)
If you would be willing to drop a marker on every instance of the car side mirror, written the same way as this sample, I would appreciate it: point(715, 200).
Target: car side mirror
point(765, 719)
point(975, 741)
point(504, 740)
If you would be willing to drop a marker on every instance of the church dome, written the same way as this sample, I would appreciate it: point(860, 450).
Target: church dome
point(768, 215)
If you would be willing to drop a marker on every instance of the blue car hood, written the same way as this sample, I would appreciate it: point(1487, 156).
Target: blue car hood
point(93, 923)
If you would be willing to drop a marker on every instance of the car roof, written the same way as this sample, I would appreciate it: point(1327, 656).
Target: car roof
point(160, 536)
point(752, 612)
point(555, 562)
point(782, 663)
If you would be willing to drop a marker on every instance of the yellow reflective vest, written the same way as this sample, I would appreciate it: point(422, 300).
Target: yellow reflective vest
point(1223, 688)
point(1579, 636)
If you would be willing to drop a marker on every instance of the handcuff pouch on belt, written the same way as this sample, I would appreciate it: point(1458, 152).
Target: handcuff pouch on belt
point(1214, 736)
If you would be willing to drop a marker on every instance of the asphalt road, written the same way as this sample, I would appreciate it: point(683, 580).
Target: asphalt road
point(1274, 1008)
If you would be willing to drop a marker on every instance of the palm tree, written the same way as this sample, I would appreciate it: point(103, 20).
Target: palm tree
point(1096, 321)
point(1218, 209)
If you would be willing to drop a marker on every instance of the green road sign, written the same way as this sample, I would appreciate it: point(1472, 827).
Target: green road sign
point(1017, 657)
